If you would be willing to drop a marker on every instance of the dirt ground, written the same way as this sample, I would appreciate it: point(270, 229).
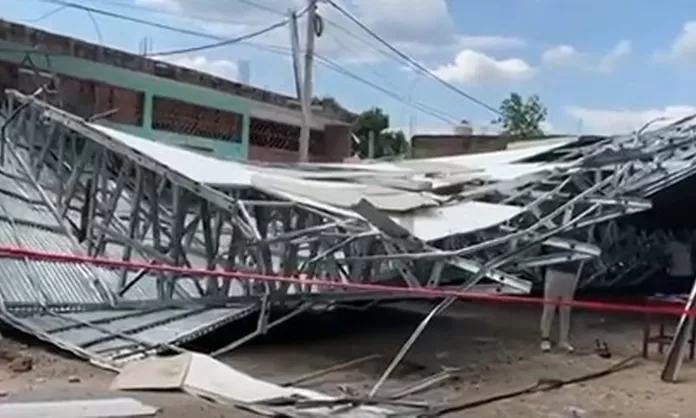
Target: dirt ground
point(495, 348)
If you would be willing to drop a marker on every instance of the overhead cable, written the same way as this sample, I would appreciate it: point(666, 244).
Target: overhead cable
point(219, 44)
point(189, 14)
point(332, 65)
point(243, 39)
point(223, 42)
point(413, 62)
point(46, 15)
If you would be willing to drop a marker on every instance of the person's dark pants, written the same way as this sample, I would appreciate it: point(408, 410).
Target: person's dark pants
point(672, 285)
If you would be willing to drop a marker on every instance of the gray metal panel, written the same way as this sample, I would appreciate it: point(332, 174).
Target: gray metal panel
point(15, 285)
point(19, 211)
point(59, 282)
point(96, 333)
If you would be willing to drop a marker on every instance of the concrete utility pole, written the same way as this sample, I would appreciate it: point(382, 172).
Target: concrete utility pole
point(295, 45)
point(307, 86)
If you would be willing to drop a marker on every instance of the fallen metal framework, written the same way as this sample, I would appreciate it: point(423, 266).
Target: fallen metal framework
point(71, 185)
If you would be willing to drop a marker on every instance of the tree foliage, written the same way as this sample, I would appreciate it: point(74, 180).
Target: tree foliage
point(522, 117)
point(387, 142)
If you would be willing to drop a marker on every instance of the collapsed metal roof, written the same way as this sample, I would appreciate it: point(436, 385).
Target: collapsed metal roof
point(475, 222)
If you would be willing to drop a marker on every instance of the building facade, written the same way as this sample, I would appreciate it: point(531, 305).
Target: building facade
point(167, 103)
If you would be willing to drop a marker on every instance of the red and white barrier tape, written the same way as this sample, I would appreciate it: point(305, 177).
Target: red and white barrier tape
point(655, 308)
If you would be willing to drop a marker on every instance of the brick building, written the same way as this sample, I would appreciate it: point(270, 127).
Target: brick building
point(167, 103)
point(428, 146)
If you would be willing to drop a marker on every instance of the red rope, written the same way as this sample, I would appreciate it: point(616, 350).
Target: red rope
point(656, 308)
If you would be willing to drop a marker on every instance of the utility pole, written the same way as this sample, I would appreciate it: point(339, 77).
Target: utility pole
point(307, 86)
point(295, 45)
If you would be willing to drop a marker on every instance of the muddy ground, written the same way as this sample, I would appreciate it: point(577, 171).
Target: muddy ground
point(495, 348)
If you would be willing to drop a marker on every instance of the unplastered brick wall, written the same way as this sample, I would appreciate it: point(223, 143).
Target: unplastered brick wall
point(442, 145)
point(190, 119)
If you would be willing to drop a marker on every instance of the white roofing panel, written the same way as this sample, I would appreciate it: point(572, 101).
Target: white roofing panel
point(196, 166)
point(435, 223)
point(343, 194)
point(497, 165)
point(507, 156)
point(503, 172)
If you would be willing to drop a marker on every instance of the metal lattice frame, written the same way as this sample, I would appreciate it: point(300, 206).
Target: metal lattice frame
point(241, 229)
point(118, 202)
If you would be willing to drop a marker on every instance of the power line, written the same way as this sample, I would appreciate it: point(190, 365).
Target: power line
point(418, 106)
point(249, 3)
point(362, 40)
point(194, 16)
point(220, 41)
point(336, 67)
point(413, 62)
point(127, 18)
point(96, 26)
point(66, 6)
point(46, 15)
point(339, 69)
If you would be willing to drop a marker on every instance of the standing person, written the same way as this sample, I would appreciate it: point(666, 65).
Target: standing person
point(560, 283)
point(680, 269)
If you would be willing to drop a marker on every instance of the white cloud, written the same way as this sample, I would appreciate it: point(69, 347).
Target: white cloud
point(169, 5)
point(605, 121)
point(410, 21)
point(613, 58)
point(486, 43)
point(567, 56)
point(562, 56)
point(418, 27)
point(683, 48)
point(472, 67)
point(221, 68)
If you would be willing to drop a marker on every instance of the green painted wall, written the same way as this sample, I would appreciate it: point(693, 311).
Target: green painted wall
point(151, 86)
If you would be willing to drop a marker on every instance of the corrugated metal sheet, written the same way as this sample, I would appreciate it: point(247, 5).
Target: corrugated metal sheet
point(30, 282)
point(109, 335)
point(116, 336)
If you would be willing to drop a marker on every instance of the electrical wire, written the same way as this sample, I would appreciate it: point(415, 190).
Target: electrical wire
point(418, 106)
point(339, 69)
point(195, 16)
point(220, 41)
point(413, 62)
point(46, 15)
point(63, 7)
point(96, 26)
point(219, 44)
point(132, 19)
point(201, 18)
point(323, 61)
point(363, 41)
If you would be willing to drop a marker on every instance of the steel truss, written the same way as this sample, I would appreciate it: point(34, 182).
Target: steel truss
point(111, 200)
point(118, 202)
point(623, 170)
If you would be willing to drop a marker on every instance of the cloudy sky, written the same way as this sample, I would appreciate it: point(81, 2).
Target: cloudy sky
point(599, 66)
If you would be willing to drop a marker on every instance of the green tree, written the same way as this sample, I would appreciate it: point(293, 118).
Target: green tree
point(388, 142)
point(522, 117)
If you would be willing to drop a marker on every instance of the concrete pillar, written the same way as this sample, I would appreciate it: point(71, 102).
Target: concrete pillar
point(338, 142)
